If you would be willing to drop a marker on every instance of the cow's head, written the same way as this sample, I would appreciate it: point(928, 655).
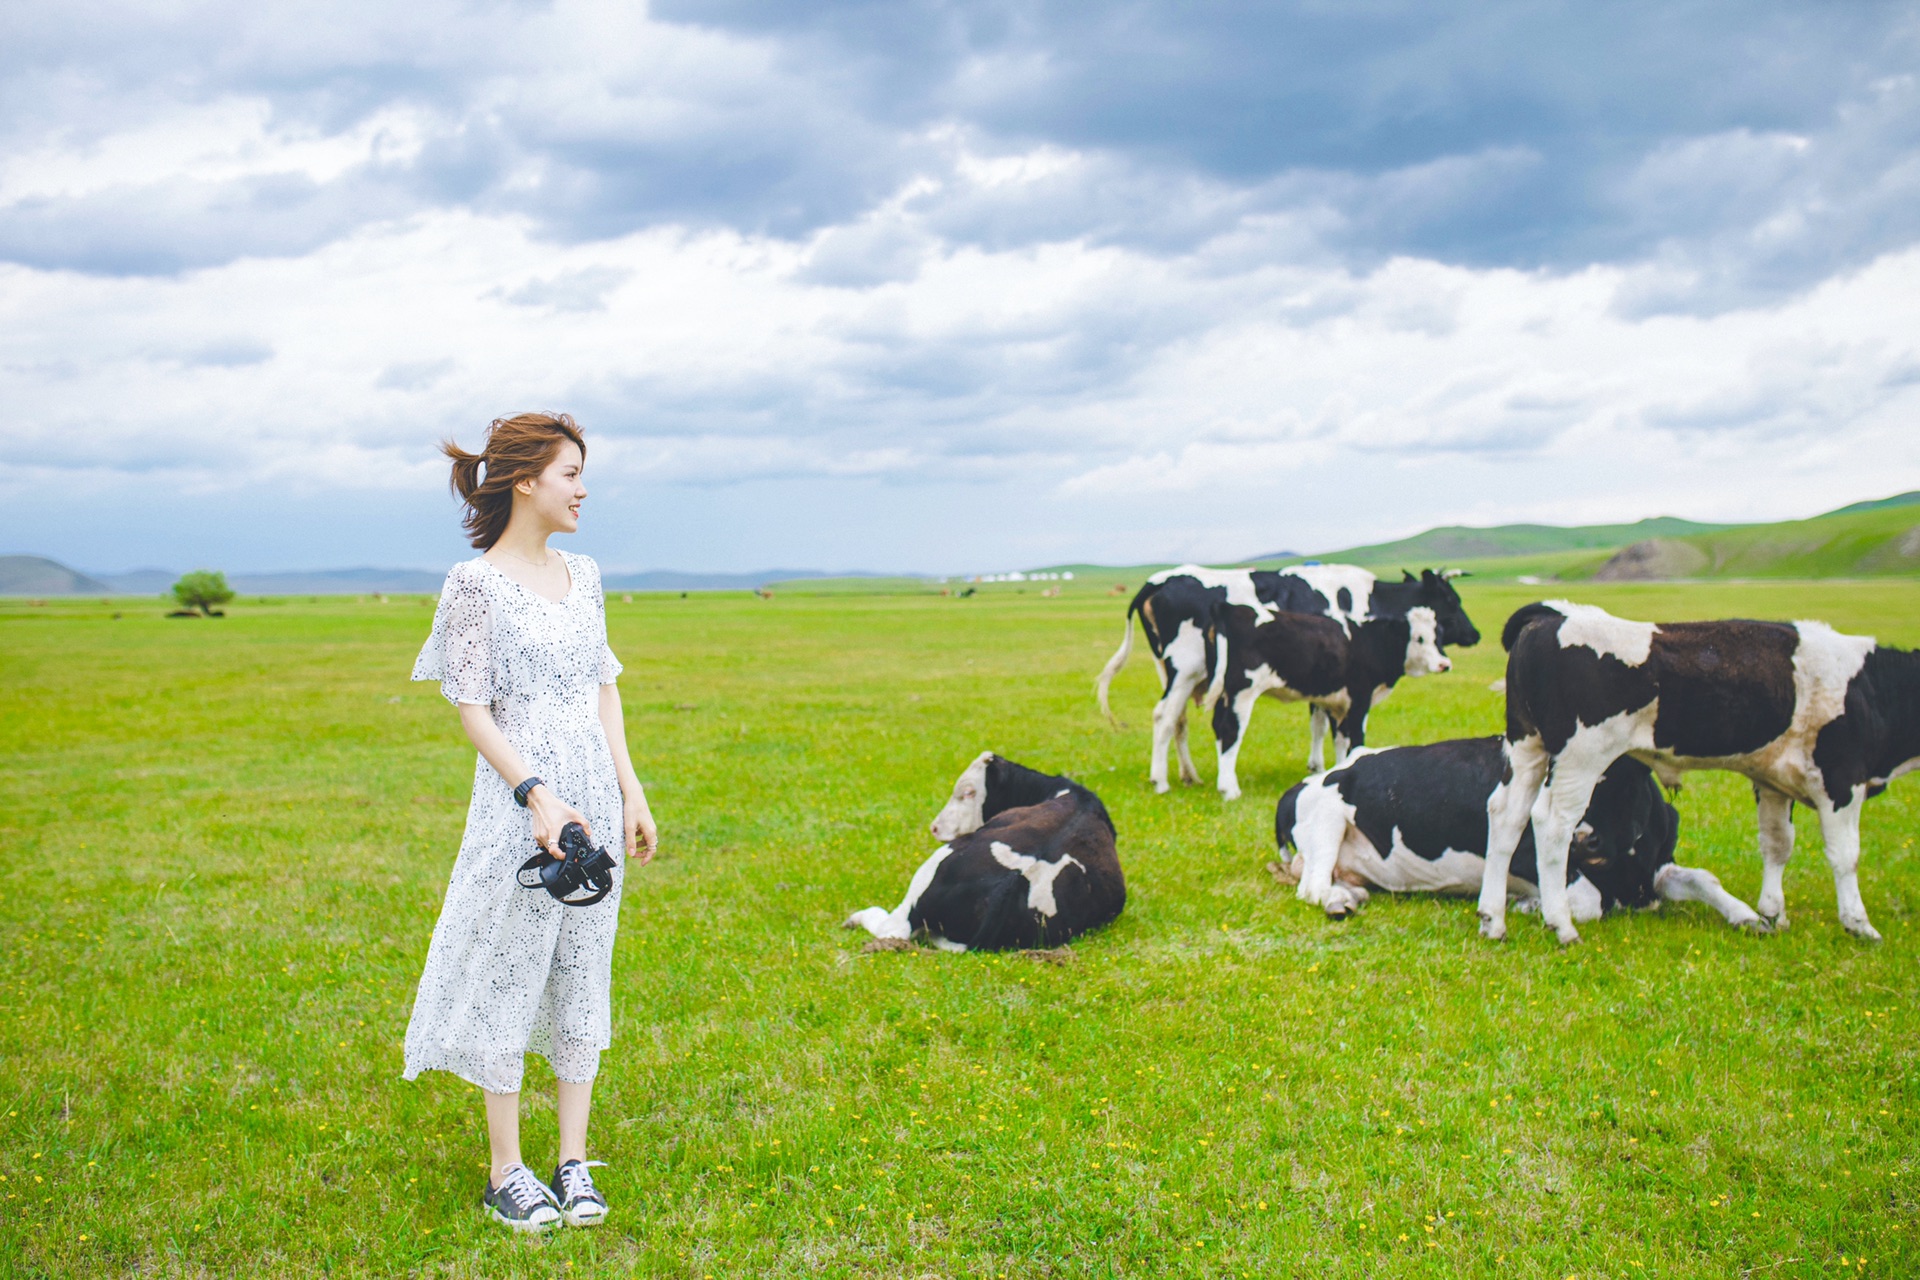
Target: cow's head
point(1628, 834)
point(1423, 644)
point(1437, 594)
point(966, 807)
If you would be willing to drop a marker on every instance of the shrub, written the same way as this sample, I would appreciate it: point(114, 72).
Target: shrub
point(202, 589)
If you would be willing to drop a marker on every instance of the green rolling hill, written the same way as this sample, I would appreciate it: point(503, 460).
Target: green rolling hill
point(1877, 538)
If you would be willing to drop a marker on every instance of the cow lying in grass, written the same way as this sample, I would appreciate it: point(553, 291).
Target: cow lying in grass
point(1302, 657)
point(1028, 861)
point(1414, 819)
point(1805, 712)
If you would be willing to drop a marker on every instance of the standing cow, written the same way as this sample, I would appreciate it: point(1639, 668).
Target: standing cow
point(1028, 861)
point(1806, 713)
point(1296, 657)
point(1178, 608)
point(1414, 820)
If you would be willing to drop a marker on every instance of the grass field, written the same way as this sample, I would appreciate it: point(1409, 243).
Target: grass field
point(224, 849)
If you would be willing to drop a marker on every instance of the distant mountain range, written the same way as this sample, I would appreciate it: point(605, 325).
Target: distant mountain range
point(40, 576)
point(1876, 538)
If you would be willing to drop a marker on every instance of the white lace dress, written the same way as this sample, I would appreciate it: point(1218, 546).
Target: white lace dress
point(512, 970)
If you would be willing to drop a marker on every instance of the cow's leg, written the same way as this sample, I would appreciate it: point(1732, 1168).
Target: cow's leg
point(1557, 810)
point(1317, 739)
point(1840, 834)
point(1345, 899)
point(1230, 716)
point(1318, 834)
point(1184, 666)
point(897, 923)
point(1776, 846)
point(1584, 902)
point(1508, 810)
point(1167, 715)
point(1188, 774)
point(1675, 883)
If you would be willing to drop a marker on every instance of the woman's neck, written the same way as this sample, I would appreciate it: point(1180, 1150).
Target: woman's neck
point(526, 544)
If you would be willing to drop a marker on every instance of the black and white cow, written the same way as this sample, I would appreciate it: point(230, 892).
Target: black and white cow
point(1028, 861)
point(1179, 607)
point(1414, 820)
point(1304, 657)
point(1806, 713)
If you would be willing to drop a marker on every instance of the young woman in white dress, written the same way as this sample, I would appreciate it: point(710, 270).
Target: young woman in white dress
point(519, 645)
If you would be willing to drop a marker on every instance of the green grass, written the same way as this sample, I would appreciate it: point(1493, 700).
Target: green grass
point(224, 849)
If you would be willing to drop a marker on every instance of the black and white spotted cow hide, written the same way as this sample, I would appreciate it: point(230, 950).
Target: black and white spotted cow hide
point(1304, 657)
point(1179, 607)
point(1808, 714)
point(1028, 860)
point(1414, 820)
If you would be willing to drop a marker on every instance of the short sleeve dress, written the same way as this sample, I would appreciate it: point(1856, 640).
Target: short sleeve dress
point(512, 970)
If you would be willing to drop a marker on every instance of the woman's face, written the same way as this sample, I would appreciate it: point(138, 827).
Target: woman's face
point(556, 496)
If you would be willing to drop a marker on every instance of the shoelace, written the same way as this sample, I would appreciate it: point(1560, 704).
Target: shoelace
point(576, 1182)
point(523, 1187)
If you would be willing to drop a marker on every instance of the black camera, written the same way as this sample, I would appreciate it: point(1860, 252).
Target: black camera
point(580, 878)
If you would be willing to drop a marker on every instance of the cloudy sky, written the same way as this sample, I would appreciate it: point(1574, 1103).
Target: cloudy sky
point(949, 286)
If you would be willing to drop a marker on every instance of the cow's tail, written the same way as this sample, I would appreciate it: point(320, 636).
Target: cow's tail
point(1216, 670)
point(1522, 617)
point(1002, 915)
point(1117, 661)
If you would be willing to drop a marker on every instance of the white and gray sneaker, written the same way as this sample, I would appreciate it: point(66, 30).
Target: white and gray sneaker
point(521, 1201)
point(581, 1203)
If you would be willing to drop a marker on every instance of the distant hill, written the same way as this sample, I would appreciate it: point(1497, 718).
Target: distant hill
point(140, 582)
point(338, 582)
point(674, 580)
point(1451, 543)
point(39, 576)
point(1865, 540)
point(1908, 499)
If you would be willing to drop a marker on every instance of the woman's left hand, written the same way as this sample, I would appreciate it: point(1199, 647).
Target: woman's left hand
point(642, 838)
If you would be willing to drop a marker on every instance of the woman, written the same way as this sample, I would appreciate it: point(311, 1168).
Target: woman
point(519, 646)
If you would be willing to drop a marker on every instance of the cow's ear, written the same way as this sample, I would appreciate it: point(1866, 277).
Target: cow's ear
point(1407, 577)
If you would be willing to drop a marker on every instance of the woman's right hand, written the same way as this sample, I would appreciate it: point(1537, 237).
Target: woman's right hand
point(550, 815)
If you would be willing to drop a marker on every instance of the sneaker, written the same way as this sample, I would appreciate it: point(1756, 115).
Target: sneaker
point(581, 1203)
point(520, 1201)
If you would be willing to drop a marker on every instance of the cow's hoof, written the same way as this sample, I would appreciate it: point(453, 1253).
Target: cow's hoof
point(1568, 935)
point(1861, 930)
point(1756, 925)
point(1229, 795)
point(1493, 930)
point(1161, 788)
point(1776, 923)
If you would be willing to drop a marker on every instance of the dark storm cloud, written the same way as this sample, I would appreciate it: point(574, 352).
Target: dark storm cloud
point(1752, 148)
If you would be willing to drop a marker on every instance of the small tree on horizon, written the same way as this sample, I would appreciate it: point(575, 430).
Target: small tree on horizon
point(202, 589)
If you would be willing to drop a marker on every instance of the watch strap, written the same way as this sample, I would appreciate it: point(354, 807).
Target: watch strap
point(525, 789)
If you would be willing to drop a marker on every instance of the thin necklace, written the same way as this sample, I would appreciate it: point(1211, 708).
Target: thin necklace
point(538, 564)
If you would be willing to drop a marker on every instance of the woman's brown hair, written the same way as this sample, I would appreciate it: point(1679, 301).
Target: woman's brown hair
point(517, 448)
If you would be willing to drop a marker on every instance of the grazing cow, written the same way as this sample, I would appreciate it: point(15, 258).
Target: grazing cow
point(1028, 861)
point(1414, 820)
point(1305, 657)
point(1806, 713)
point(1178, 607)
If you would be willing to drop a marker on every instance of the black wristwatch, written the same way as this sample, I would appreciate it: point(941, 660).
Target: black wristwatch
point(525, 789)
